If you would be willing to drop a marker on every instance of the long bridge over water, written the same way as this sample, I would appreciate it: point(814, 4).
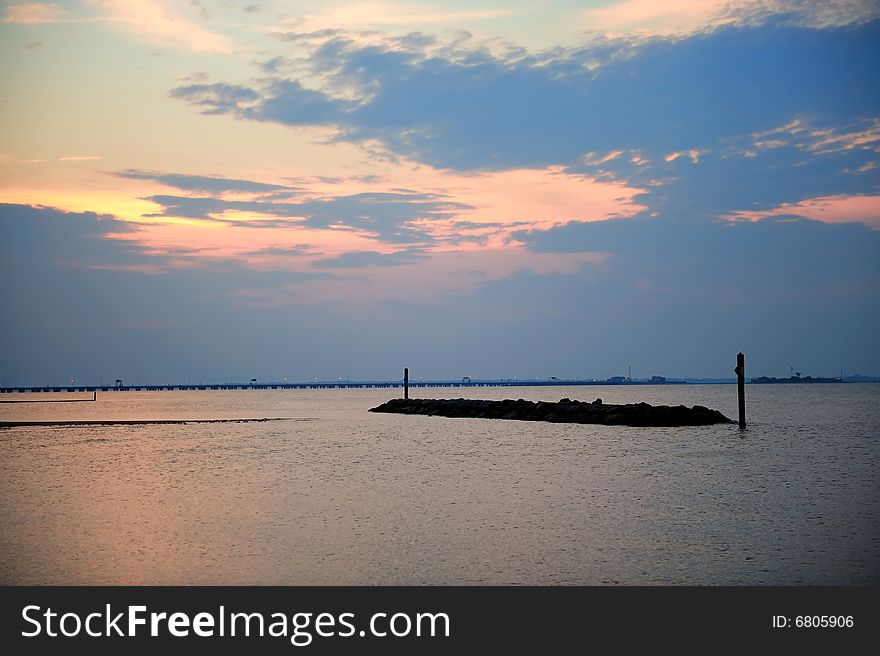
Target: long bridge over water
point(333, 384)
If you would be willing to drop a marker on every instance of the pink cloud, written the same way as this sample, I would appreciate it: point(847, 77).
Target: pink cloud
point(170, 24)
point(828, 209)
point(228, 241)
point(668, 17)
point(30, 13)
point(541, 197)
point(439, 275)
point(694, 155)
point(486, 208)
point(863, 135)
point(460, 252)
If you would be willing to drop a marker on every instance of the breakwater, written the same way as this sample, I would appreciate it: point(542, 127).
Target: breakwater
point(565, 411)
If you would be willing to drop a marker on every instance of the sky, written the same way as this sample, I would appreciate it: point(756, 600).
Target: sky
point(220, 190)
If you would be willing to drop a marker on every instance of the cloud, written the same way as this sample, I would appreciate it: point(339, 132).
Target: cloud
point(831, 140)
point(298, 249)
point(804, 13)
point(36, 236)
point(422, 206)
point(744, 158)
point(749, 280)
point(30, 13)
point(736, 179)
point(387, 216)
point(672, 302)
point(49, 236)
point(158, 21)
point(371, 15)
point(474, 110)
point(699, 292)
point(742, 118)
point(828, 209)
point(668, 17)
point(90, 304)
point(683, 17)
point(218, 98)
point(214, 185)
point(361, 259)
point(803, 133)
point(164, 23)
point(693, 154)
point(287, 101)
point(668, 297)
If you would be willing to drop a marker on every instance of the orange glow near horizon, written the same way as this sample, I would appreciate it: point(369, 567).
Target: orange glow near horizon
point(493, 205)
point(120, 206)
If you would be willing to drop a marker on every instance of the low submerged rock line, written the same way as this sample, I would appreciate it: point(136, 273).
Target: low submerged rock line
point(566, 411)
point(132, 422)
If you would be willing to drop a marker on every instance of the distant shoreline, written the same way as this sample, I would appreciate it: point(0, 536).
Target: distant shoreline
point(367, 384)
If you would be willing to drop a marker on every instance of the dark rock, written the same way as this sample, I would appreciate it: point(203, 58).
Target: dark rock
point(566, 411)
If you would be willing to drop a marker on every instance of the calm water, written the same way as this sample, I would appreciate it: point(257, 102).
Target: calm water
point(342, 496)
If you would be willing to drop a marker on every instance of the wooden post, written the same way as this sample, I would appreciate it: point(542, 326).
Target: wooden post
point(405, 383)
point(740, 372)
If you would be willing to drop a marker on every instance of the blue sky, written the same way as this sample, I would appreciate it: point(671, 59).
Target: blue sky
point(225, 191)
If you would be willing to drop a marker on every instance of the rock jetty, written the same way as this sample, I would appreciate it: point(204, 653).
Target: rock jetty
point(566, 411)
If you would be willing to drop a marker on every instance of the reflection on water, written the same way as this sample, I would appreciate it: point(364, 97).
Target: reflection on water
point(342, 496)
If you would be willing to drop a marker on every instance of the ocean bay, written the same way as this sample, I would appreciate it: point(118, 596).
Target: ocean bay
point(341, 496)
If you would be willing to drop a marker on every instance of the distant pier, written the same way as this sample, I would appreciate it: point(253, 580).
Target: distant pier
point(341, 384)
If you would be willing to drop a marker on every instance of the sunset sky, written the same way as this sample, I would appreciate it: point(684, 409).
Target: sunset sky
point(222, 190)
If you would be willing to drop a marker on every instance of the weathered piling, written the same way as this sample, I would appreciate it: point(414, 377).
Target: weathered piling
point(740, 372)
point(405, 383)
